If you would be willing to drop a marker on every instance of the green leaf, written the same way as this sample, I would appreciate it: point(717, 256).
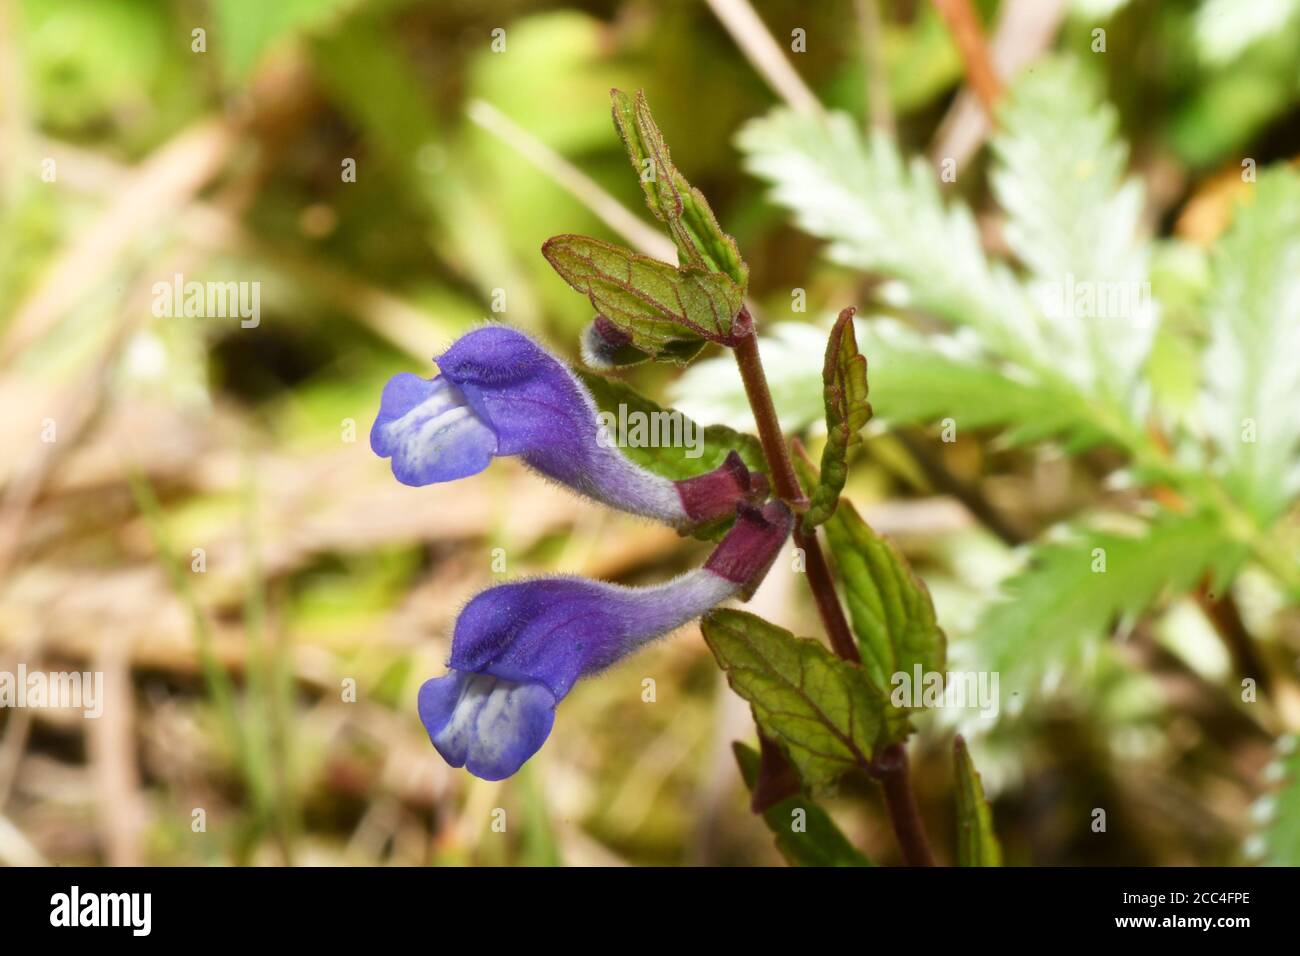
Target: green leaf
point(1225, 113)
point(713, 388)
point(844, 390)
point(817, 841)
point(821, 710)
point(1224, 29)
point(606, 348)
point(889, 605)
point(1074, 221)
point(1252, 377)
point(658, 307)
point(681, 207)
point(678, 460)
point(886, 216)
point(1280, 809)
point(1054, 610)
point(915, 380)
point(977, 844)
point(923, 379)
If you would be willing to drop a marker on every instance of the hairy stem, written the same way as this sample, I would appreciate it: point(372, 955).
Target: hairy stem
point(828, 602)
point(787, 488)
point(891, 769)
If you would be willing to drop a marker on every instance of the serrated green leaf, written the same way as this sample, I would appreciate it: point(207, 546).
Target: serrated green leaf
point(923, 379)
point(681, 207)
point(886, 216)
point(1073, 220)
point(844, 391)
point(1252, 376)
point(1053, 611)
point(889, 606)
point(821, 710)
point(977, 844)
point(657, 306)
point(1280, 809)
point(805, 833)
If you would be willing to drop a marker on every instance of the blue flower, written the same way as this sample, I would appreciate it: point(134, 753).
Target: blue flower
point(501, 394)
point(518, 648)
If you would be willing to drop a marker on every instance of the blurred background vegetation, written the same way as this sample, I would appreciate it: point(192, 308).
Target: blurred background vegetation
point(275, 690)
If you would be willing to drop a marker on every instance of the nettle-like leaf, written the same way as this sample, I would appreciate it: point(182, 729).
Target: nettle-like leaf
point(1072, 592)
point(1073, 221)
point(676, 203)
point(1252, 370)
point(645, 304)
point(821, 710)
point(805, 833)
point(977, 844)
point(1279, 810)
point(890, 607)
point(844, 390)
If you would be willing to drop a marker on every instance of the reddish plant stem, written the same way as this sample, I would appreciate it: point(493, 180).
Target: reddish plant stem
point(828, 603)
point(787, 488)
point(891, 769)
point(784, 479)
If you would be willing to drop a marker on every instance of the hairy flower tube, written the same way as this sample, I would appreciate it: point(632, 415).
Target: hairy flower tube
point(518, 648)
point(500, 394)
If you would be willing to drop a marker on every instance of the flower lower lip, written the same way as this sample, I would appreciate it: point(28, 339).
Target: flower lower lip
point(486, 724)
point(430, 432)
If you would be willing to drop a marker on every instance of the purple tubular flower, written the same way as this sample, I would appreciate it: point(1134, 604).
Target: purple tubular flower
point(502, 394)
point(519, 648)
